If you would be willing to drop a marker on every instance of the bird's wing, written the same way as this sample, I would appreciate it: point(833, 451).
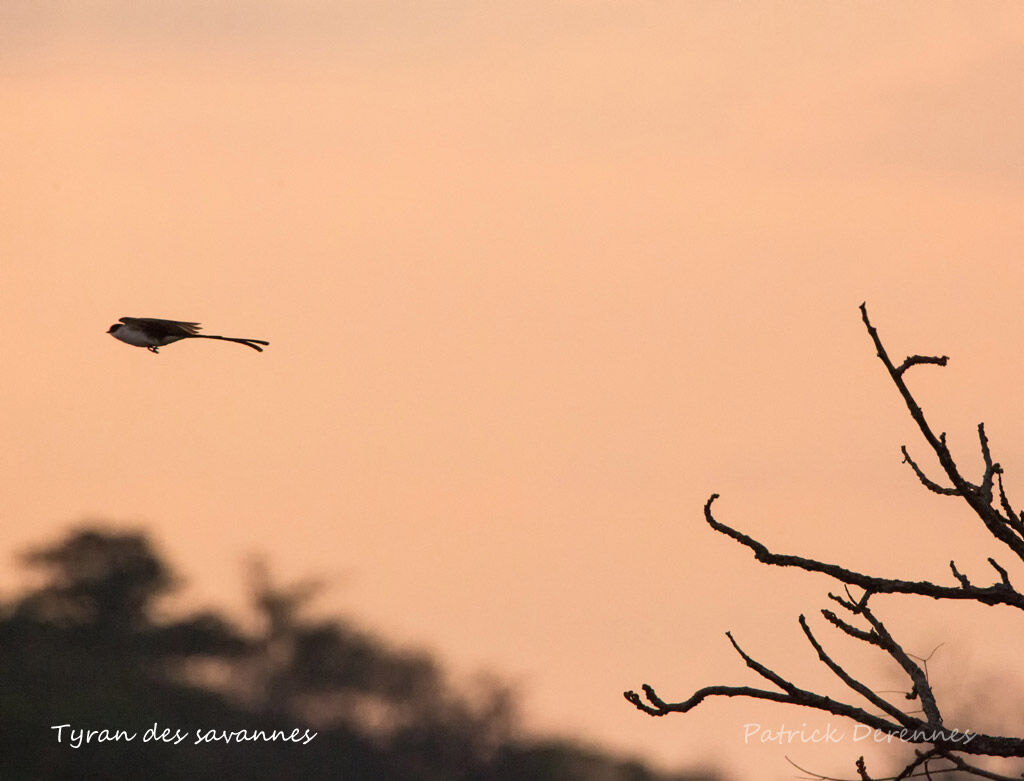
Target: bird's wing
point(158, 327)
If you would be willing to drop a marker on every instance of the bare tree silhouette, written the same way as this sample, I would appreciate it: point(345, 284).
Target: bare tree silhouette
point(918, 720)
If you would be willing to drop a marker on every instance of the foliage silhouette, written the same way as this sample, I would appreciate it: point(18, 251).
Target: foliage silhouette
point(84, 649)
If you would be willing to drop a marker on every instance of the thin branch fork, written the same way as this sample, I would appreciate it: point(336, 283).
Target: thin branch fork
point(910, 667)
point(863, 690)
point(1015, 521)
point(915, 411)
point(978, 497)
point(879, 636)
point(925, 480)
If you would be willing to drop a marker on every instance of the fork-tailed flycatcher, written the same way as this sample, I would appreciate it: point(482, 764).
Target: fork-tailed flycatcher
point(153, 333)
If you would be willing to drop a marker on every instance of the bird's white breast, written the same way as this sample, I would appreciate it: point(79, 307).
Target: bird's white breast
point(130, 335)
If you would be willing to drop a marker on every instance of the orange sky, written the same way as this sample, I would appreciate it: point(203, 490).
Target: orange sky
point(538, 277)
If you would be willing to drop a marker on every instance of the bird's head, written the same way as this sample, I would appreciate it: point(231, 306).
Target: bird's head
point(114, 327)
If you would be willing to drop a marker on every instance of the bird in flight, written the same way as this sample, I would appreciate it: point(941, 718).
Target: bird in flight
point(153, 333)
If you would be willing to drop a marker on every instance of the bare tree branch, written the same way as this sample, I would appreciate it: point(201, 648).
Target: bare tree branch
point(1015, 521)
point(973, 495)
point(761, 670)
point(914, 360)
point(959, 764)
point(962, 578)
point(1002, 572)
point(913, 671)
point(853, 683)
point(921, 760)
point(925, 481)
point(797, 697)
point(996, 594)
point(1002, 522)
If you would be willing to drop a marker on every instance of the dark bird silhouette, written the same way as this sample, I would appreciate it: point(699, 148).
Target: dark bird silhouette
point(153, 333)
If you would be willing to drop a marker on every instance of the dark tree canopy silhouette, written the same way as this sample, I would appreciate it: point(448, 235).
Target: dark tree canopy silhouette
point(84, 649)
point(914, 716)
